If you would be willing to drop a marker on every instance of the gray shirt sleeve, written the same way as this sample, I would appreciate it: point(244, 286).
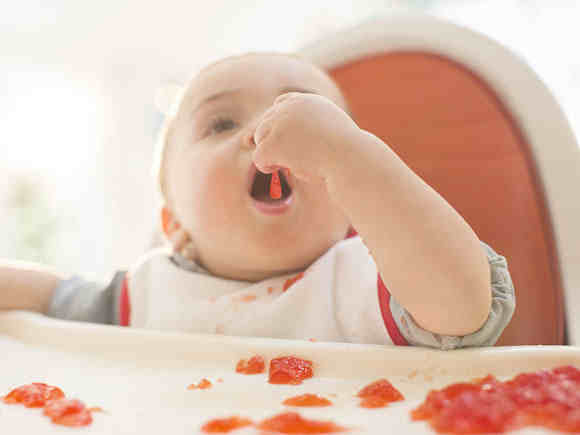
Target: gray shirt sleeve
point(87, 301)
point(502, 308)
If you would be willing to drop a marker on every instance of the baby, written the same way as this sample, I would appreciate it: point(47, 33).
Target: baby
point(357, 248)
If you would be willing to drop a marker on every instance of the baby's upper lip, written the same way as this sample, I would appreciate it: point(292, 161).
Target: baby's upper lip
point(252, 174)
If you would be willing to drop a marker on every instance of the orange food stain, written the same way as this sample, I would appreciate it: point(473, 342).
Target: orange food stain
point(220, 380)
point(293, 423)
point(379, 394)
point(68, 412)
point(270, 290)
point(202, 385)
point(549, 398)
point(248, 298)
point(307, 400)
point(252, 366)
point(291, 281)
point(289, 370)
point(312, 340)
point(34, 395)
point(225, 425)
point(96, 409)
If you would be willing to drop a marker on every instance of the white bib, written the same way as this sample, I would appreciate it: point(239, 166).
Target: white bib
point(336, 299)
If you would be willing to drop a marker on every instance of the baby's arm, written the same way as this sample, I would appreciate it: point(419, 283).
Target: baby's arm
point(428, 256)
point(26, 286)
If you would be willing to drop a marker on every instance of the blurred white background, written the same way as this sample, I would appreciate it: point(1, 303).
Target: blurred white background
point(78, 80)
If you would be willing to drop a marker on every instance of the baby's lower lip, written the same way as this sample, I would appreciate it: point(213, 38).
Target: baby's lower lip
point(273, 208)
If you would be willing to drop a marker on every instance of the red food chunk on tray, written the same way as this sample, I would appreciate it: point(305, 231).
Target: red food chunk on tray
point(293, 423)
point(252, 366)
point(549, 398)
point(33, 395)
point(225, 425)
point(68, 412)
point(379, 394)
point(289, 370)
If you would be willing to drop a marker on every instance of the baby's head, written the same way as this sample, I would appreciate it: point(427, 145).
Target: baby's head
point(208, 180)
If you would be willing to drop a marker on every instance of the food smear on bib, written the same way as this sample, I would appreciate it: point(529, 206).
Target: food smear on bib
point(291, 281)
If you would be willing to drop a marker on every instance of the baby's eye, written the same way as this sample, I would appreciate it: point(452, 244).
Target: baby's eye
point(220, 125)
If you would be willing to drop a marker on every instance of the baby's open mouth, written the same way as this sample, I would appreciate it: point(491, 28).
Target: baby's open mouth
point(261, 187)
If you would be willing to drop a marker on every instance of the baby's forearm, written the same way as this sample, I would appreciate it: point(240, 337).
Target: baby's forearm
point(428, 256)
point(26, 286)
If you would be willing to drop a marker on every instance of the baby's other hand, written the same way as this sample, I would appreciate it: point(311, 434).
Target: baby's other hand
point(306, 133)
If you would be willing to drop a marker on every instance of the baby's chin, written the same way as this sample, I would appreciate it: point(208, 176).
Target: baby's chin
point(253, 266)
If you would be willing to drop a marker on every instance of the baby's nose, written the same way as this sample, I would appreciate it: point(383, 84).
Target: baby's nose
point(248, 138)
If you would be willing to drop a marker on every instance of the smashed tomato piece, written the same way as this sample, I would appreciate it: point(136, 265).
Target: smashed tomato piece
point(33, 395)
point(379, 394)
point(307, 400)
point(291, 281)
point(289, 370)
point(275, 186)
point(549, 398)
point(291, 422)
point(202, 385)
point(68, 412)
point(252, 366)
point(225, 425)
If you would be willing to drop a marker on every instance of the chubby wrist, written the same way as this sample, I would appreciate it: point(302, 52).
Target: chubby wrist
point(353, 162)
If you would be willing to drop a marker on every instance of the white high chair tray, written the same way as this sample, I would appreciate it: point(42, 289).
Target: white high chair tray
point(140, 378)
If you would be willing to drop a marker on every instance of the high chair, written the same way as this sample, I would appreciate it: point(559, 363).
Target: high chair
point(473, 120)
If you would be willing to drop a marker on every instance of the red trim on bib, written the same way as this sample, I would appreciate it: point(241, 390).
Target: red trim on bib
point(384, 299)
point(124, 304)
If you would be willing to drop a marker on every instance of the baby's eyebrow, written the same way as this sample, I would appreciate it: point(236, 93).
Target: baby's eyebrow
point(222, 94)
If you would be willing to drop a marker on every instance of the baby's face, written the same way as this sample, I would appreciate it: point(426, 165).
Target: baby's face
point(211, 185)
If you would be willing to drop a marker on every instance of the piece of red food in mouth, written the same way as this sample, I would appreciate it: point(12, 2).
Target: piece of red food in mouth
point(289, 370)
point(270, 187)
point(275, 186)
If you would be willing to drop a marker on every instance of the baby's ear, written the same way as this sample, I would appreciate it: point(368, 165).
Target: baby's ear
point(168, 222)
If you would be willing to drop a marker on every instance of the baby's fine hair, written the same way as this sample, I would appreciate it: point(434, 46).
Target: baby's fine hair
point(166, 132)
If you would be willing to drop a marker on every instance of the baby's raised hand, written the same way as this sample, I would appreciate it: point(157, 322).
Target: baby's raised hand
point(306, 133)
